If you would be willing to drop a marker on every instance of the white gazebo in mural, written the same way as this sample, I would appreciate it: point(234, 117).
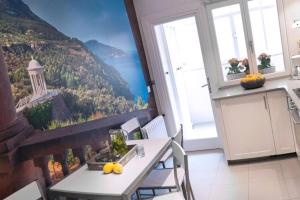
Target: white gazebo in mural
point(39, 87)
point(36, 74)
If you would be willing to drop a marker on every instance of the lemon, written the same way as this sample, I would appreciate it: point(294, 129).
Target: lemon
point(108, 168)
point(117, 168)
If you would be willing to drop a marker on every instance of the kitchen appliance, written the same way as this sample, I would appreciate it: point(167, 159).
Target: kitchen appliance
point(295, 115)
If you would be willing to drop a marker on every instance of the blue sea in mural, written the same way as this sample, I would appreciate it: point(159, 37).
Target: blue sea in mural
point(130, 69)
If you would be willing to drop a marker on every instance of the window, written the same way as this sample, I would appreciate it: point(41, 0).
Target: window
point(266, 34)
point(248, 38)
point(231, 39)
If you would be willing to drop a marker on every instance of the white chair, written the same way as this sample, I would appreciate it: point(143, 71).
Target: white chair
point(156, 128)
point(164, 178)
point(183, 190)
point(130, 127)
point(32, 191)
point(179, 136)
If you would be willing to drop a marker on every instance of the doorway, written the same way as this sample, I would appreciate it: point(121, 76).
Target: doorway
point(188, 87)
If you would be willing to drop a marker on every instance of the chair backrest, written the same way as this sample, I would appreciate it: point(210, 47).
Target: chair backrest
point(29, 192)
point(180, 158)
point(179, 136)
point(131, 126)
point(156, 128)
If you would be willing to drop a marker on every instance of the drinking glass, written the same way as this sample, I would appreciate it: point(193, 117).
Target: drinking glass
point(140, 151)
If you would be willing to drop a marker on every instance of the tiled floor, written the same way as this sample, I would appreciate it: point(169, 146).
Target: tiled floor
point(213, 179)
point(201, 131)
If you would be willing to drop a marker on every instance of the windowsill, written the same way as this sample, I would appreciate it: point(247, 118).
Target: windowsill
point(274, 76)
point(286, 84)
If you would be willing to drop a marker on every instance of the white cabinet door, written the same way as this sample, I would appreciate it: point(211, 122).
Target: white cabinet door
point(248, 126)
point(281, 122)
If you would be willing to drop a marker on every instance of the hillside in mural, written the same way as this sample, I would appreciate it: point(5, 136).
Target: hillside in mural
point(88, 85)
point(126, 63)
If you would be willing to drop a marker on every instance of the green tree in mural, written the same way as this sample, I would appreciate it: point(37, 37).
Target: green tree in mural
point(141, 104)
point(39, 116)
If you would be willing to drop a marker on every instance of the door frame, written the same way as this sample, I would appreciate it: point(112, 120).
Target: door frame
point(148, 24)
point(171, 74)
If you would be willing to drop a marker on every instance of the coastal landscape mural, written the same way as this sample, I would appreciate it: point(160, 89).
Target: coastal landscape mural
point(82, 58)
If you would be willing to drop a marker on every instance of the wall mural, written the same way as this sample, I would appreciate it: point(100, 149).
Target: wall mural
point(71, 61)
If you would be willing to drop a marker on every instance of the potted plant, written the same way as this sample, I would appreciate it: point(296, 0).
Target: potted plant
point(245, 64)
point(265, 66)
point(236, 70)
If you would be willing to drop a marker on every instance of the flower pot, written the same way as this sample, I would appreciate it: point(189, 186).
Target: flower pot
point(253, 84)
point(268, 70)
point(231, 77)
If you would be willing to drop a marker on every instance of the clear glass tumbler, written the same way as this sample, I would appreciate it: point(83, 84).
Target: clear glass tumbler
point(140, 151)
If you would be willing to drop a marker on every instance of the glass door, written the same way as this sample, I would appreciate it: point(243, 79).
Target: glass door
point(181, 53)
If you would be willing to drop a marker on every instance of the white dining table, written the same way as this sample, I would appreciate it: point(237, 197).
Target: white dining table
point(87, 184)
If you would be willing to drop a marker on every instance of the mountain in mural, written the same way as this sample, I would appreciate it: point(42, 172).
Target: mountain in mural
point(88, 83)
point(104, 51)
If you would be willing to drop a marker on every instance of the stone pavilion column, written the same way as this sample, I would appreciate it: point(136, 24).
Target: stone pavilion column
point(13, 130)
point(8, 114)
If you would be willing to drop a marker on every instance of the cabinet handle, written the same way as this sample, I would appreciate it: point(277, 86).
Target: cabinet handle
point(288, 103)
point(265, 101)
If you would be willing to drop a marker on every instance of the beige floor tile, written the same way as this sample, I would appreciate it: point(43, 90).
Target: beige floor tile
point(265, 171)
point(293, 186)
point(201, 191)
point(223, 166)
point(290, 167)
point(205, 161)
point(212, 178)
point(233, 175)
point(229, 192)
point(202, 177)
point(268, 190)
point(207, 152)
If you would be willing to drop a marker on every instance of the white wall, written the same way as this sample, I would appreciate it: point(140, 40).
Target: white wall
point(149, 7)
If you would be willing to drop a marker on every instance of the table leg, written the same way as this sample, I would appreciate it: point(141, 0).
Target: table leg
point(138, 195)
point(126, 197)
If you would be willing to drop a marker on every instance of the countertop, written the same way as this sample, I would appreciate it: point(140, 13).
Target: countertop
point(286, 84)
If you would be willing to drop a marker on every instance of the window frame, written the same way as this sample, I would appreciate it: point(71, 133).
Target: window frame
point(249, 41)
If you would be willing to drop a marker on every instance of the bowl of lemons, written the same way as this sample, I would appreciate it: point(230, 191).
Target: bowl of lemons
point(253, 81)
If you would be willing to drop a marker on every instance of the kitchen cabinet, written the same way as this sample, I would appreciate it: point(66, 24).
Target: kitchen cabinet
point(247, 126)
point(256, 125)
point(281, 122)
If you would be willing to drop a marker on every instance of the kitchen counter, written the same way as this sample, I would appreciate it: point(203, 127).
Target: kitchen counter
point(286, 84)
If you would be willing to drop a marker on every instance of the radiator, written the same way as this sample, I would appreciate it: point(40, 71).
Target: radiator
point(156, 128)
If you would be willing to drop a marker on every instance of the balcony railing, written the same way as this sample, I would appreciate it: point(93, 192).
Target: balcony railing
point(41, 144)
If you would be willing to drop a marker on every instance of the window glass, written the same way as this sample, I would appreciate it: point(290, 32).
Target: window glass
point(183, 36)
point(231, 41)
point(266, 35)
